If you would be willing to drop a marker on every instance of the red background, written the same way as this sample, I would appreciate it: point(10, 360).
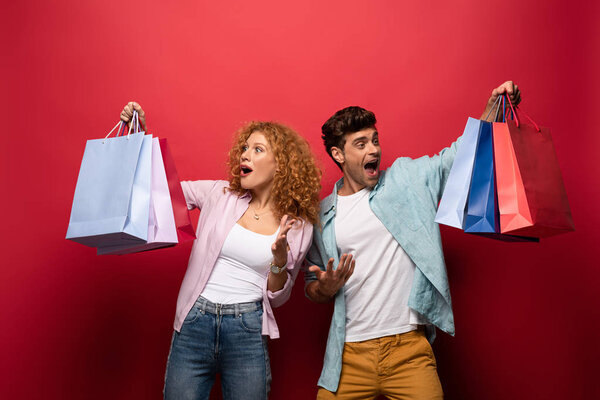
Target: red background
point(75, 325)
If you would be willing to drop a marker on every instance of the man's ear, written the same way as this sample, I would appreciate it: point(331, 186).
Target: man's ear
point(338, 155)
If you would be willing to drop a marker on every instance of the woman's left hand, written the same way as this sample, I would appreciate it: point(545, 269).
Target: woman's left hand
point(280, 246)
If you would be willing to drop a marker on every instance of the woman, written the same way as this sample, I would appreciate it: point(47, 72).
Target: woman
point(253, 233)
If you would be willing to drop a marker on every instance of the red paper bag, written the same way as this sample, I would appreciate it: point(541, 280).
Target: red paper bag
point(531, 194)
point(185, 229)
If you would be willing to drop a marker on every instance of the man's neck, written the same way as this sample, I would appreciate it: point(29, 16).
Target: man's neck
point(349, 187)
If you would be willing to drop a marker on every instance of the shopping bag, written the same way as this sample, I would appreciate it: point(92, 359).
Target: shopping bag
point(161, 223)
point(112, 196)
point(532, 199)
point(481, 204)
point(451, 210)
point(185, 229)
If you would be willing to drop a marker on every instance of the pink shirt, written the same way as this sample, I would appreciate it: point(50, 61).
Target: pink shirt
point(220, 211)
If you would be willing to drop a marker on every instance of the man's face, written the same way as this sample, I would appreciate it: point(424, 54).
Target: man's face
point(360, 158)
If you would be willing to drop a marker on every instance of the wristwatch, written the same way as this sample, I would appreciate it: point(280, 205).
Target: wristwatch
point(275, 268)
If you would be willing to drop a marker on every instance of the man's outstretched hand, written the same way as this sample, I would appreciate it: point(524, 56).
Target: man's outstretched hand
point(508, 88)
point(330, 281)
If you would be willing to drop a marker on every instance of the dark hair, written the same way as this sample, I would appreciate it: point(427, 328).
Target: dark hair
point(348, 120)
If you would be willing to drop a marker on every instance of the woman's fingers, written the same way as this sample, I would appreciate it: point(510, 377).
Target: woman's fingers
point(287, 227)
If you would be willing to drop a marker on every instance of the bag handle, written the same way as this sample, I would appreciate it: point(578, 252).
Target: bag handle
point(514, 111)
point(133, 124)
point(495, 105)
point(111, 131)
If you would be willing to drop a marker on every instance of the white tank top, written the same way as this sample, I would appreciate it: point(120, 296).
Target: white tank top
point(240, 272)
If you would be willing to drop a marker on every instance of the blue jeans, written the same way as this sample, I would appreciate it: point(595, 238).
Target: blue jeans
point(219, 338)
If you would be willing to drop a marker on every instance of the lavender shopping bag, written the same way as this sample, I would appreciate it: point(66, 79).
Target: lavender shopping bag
point(161, 222)
point(112, 196)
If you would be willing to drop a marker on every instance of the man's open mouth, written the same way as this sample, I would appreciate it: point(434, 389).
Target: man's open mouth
point(371, 167)
point(245, 170)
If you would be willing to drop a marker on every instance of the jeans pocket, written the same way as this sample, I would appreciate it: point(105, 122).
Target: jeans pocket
point(251, 321)
point(192, 316)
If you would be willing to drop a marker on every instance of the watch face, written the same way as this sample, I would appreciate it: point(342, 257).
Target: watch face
point(275, 269)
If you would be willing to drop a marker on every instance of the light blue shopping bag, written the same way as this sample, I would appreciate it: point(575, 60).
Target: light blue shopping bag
point(112, 196)
point(452, 208)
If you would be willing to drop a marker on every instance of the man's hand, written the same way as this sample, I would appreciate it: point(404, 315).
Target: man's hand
point(329, 281)
point(508, 88)
point(127, 113)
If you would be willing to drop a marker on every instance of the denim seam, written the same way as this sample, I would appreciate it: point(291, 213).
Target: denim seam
point(168, 363)
point(267, 374)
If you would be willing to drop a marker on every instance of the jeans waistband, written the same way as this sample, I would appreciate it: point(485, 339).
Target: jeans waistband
point(222, 309)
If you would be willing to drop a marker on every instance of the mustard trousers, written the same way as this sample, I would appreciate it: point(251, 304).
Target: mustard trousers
point(399, 367)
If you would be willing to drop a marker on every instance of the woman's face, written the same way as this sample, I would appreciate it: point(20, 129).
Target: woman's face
point(257, 163)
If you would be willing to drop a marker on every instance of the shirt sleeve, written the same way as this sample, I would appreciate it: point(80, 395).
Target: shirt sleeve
point(314, 257)
point(293, 266)
point(439, 169)
point(432, 171)
point(196, 192)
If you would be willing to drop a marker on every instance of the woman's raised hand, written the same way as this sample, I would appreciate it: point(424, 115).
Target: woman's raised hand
point(280, 246)
point(127, 113)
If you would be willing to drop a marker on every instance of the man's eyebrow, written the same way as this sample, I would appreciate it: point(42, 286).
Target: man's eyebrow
point(358, 139)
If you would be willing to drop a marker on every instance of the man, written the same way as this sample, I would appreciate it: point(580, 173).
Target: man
point(390, 286)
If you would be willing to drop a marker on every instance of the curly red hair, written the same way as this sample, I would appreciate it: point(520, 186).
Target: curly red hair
point(297, 182)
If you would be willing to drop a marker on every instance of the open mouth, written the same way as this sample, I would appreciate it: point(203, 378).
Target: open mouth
point(245, 170)
point(372, 167)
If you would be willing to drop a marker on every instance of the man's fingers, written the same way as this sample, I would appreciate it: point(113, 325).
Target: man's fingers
point(342, 264)
point(510, 87)
point(350, 263)
point(315, 269)
point(329, 265)
point(351, 269)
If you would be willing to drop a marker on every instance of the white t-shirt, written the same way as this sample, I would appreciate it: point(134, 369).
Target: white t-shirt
point(377, 292)
point(241, 269)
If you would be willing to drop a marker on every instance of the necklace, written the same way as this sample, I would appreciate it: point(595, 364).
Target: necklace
point(256, 215)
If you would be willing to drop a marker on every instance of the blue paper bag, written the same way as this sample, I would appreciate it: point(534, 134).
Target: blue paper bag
point(481, 206)
point(112, 196)
point(452, 208)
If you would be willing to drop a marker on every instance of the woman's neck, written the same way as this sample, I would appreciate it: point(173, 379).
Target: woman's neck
point(261, 199)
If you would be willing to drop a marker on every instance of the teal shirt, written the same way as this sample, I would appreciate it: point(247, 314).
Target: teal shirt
point(405, 200)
